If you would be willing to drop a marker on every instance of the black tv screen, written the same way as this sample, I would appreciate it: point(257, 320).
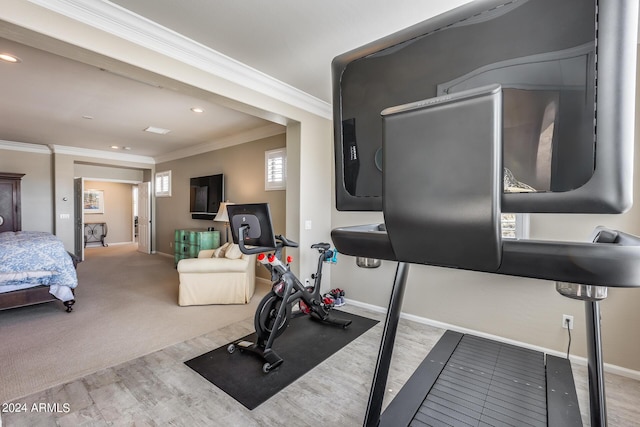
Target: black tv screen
point(568, 98)
point(206, 194)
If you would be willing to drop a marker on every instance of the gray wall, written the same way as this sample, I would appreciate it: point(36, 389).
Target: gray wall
point(243, 169)
point(37, 187)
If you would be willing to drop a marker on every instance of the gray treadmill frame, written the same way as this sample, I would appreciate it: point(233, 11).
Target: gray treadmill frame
point(615, 106)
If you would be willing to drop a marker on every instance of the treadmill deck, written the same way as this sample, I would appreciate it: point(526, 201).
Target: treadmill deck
point(479, 382)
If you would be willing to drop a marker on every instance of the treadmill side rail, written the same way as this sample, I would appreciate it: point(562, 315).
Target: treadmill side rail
point(562, 400)
point(403, 408)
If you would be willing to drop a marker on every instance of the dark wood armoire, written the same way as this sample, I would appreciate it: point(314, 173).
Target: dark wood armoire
point(10, 209)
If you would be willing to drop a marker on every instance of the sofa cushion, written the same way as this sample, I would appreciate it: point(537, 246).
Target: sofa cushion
point(219, 253)
point(233, 252)
point(206, 253)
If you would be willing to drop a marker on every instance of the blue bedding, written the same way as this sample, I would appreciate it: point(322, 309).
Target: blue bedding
point(34, 257)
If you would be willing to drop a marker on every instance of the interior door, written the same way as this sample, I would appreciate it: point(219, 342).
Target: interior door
point(144, 217)
point(78, 213)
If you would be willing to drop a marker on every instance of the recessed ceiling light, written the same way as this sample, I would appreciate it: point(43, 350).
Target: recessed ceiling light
point(126, 148)
point(87, 117)
point(157, 130)
point(115, 147)
point(197, 110)
point(7, 57)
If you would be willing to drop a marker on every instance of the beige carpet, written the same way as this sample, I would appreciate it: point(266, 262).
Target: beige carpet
point(126, 307)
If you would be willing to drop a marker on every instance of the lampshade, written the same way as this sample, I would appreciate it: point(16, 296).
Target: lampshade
point(222, 215)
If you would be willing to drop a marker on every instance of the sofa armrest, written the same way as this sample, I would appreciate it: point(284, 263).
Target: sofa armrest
point(206, 253)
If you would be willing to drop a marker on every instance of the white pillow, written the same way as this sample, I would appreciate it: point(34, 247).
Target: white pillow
point(233, 252)
point(219, 253)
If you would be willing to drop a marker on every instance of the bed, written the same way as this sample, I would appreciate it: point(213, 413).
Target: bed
point(35, 268)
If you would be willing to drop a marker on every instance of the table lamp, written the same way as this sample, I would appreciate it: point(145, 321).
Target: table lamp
point(223, 216)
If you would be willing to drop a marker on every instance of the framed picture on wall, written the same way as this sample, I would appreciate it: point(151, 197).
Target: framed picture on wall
point(93, 202)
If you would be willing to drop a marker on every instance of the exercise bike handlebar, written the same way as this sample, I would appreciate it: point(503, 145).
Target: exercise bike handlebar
point(253, 250)
point(286, 242)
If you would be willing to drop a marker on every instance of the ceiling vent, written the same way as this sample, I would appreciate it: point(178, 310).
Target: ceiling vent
point(159, 131)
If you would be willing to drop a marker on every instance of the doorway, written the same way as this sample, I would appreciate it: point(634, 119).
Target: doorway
point(134, 200)
point(106, 212)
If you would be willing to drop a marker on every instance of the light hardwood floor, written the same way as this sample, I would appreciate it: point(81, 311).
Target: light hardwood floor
point(158, 389)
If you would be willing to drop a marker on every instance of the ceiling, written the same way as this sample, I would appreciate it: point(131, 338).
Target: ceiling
point(52, 100)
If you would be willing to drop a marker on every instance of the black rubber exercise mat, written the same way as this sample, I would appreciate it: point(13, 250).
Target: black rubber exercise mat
point(304, 345)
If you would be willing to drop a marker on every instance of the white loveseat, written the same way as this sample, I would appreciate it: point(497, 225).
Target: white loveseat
point(228, 278)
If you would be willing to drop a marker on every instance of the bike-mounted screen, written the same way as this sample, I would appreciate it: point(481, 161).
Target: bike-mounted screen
point(257, 218)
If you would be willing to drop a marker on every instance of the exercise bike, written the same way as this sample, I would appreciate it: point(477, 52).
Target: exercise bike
point(275, 310)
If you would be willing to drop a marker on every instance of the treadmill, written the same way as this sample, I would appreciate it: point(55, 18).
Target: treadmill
point(466, 380)
point(432, 124)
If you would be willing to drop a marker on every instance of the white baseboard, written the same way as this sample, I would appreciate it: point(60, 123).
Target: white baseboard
point(99, 245)
point(163, 254)
point(578, 360)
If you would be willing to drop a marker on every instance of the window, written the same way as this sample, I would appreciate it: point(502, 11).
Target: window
point(163, 184)
point(515, 226)
point(275, 169)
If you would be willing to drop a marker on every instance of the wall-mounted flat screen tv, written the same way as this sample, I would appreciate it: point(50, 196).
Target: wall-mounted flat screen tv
point(206, 194)
point(567, 70)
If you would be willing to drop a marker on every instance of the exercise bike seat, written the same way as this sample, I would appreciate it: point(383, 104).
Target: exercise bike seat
point(323, 246)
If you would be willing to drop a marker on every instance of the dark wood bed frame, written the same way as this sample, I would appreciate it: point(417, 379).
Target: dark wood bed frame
point(30, 296)
point(11, 193)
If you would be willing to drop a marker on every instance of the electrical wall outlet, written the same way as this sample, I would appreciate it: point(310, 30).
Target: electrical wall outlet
point(567, 319)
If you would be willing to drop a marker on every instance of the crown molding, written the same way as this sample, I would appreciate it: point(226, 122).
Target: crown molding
point(73, 151)
point(236, 139)
point(123, 23)
point(106, 155)
point(24, 146)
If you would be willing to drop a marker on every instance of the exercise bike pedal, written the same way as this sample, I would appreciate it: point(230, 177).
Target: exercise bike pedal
point(341, 322)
